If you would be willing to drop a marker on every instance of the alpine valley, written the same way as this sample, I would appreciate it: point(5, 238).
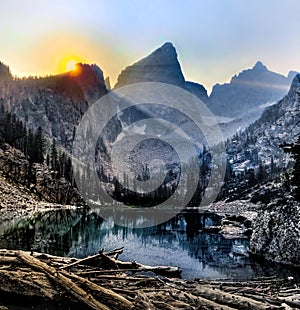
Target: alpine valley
point(254, 220)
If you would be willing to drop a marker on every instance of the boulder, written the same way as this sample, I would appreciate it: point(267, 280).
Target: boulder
point(276, 233)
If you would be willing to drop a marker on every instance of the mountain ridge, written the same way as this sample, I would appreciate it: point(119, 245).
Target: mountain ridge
point(55, 103)
point(248, 90)
point(161, 65)
point(37, 100)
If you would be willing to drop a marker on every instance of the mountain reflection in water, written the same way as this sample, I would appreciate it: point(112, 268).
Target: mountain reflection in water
point(178, 242)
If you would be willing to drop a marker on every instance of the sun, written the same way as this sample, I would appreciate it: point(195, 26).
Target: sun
point(71, 65)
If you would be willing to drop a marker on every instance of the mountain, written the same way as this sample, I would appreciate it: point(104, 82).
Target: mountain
point(54, 103)
point(160, 66)
point(89, 78)
point(255, 154)
point(249, 91)
point(259, 172)
point(236, 104)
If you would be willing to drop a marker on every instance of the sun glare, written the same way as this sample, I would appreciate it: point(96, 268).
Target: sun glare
point(71, 65)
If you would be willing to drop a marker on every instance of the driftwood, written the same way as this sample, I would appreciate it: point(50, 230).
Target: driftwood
point(108, 261)
point(61, 280)
point(69, 283)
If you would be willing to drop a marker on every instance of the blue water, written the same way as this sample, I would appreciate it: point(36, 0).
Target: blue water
point(178, 242)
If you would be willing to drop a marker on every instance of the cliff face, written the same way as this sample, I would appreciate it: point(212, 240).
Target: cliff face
point(54, 103)
point(276, 233)
point(160, 66)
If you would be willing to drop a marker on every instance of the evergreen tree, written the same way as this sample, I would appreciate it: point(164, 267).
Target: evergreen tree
point(261, 174)
point(39, 146)
point(54, 156)
point(68, 170)
point(30, 147)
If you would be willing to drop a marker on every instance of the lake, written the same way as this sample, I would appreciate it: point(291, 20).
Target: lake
point(178, 242)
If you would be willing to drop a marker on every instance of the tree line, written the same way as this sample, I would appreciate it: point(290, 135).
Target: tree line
point(33, 145)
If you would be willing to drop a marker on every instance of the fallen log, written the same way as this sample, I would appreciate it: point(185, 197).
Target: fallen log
point(61, 280)
point(104, 261)
point(232, 300)
point(32, 283)
point(89, 261)
point(107, 296)
point(168, 271)
point(39, 277)
point(115, 253)
point(292, 301)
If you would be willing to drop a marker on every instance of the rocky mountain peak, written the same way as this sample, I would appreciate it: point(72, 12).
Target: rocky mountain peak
point(54, 103)
point(163, 66)
point(90, 80)
point(260, 67)
point(167, 46)
point(160, 66)
point(248, 92)
point(166, 54)
point(259, 72)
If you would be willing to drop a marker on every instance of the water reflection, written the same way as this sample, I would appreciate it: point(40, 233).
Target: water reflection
point(178, 242)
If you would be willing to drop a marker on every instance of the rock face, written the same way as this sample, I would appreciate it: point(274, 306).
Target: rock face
point(90, 80)
point(249, 91)
point(197, 90)
point(54, 103)
point(160, 66)
point(276, 233)
point(256, 152)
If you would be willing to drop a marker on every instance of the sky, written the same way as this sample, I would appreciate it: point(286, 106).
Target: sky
point(214, 39)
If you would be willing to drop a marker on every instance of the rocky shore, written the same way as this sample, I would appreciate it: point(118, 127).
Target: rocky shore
point(276, 232)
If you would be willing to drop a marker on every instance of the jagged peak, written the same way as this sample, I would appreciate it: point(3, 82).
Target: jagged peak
point(167, 48)
point(260, 66)
point(165, 54)
point(258, 72)
point(167, 45)
point(85, 68)
point(161, 65)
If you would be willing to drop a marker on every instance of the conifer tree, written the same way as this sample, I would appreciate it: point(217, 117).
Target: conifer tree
point(54, 156)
